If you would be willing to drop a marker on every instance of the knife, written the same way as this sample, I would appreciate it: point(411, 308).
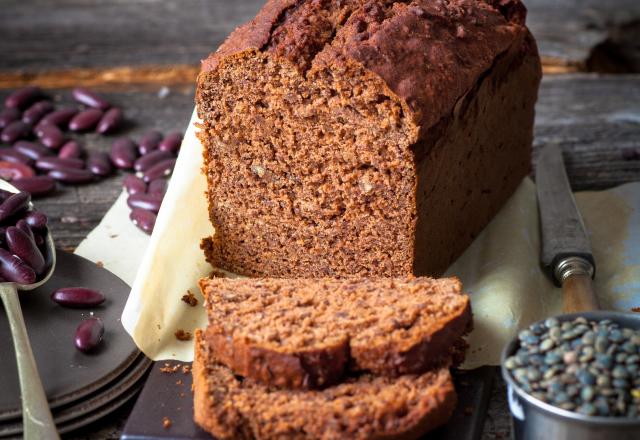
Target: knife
point(566, 250)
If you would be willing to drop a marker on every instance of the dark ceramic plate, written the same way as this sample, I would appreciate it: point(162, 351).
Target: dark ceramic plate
point(67, 374)
point(169, 395)
point(85, 411)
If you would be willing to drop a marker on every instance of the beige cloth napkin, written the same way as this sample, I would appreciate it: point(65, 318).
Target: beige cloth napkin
point(500, 269)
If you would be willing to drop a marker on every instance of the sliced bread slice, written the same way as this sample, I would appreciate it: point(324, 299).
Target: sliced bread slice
point(308, 333)
point(364, 407)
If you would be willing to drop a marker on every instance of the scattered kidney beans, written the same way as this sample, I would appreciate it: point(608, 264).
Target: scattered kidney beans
point(157, 187)
point(14, 131)
point(11, 155)
point(89, 334)
point(32, 149)
point(150, 159)
point(37, 186)
point(77, 297)
point(85, 120)
point(134, 184)
point(89, 98)
point(143, 219)
point(14, 204)
point(36, 220)
point(99, 164)
point(72, 175)
point(8, 115)
point(22, 98)
point(54, 163)
point(12, 268)
point(33, 114)
point(149, 142)
point(124, 153)
point(71, 150)
point(171, 142)
point(10, 171)
point(24, 227)
point(110, 121)
point(50, 136)
point(160, 169)
point(60, 118)
point(149, 202)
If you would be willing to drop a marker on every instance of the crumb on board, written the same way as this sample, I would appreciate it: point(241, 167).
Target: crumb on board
point(179, 382)
point(190, 298)
point(99, 263)
point(159, 326)
point(168, 368)
point(113, 235)
point(182, 394)
point(166, 422)
point(186, 369)
point(182, 335)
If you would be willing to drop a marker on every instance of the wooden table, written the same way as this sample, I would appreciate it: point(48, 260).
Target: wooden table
point(143, 55)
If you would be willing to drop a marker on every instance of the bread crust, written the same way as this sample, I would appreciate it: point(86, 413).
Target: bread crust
point(404, 408)
point(418, 342)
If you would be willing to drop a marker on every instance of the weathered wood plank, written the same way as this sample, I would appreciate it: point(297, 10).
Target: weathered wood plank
point(43, 39)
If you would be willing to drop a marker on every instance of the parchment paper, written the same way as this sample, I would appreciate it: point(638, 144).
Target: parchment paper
point(500, 270)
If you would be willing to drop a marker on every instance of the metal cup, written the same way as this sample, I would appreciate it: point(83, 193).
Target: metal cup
point(533, 419)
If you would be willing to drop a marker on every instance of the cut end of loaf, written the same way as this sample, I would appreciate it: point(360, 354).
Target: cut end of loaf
point(310, 333)
point(362, 407)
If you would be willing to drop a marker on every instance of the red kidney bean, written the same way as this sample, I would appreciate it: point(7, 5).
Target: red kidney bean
point(99, 164)
point(85, 120)
point(89, 334)
point(77, 297)
point(24, 227)
point(50, 136)
point(15, 204)
point(149, 142)
point(145, 201)
point(32, 149)
point(14, 131)
point(161, 169)
point(143, 219)
point(134, 185)
point(33, 114)
point(54, 163)
point(89, 98)
point(12, 268)
point(37, 186)
point(4, 195)
point(8, 115)
point(71, 150)
point(36, 220)
point(12, 171)
point(124, 153)
point(150, 159)
point(157, 187)
point(72, 175)
point(25, 247)
point(111, 121)
point(171, 142)
point(11, 155)
point(22, 98)
point(60, 118)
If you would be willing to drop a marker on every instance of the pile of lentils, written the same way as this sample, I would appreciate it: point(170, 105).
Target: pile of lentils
point(590, 367)
point(39, 152)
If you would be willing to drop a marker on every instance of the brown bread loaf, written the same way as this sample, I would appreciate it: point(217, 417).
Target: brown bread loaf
point(363, 407)
point(364, 137)
point(309, 333)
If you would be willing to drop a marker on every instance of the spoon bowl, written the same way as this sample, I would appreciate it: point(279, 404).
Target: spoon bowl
point(36, 415)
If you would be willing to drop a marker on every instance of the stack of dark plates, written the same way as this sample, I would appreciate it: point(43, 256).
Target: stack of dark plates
point(81, 388)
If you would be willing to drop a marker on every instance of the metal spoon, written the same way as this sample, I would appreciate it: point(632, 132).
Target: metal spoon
point(36, 415)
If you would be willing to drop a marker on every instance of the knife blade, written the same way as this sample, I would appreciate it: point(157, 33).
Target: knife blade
point(566, 249)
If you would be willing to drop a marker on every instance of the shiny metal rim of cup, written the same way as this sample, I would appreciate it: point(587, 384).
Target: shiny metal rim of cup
point(625, 319)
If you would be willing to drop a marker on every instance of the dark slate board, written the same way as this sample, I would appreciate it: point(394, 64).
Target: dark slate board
point(169, 395)
point(67, 374)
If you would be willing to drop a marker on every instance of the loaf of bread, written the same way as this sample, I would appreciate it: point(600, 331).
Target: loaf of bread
point(363, 407)
point(310, 333)
point(364, 137)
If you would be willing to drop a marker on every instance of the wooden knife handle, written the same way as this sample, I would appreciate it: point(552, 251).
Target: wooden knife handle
point(578, 294)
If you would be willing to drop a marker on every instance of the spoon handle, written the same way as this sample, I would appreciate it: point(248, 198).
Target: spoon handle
point(36, 415)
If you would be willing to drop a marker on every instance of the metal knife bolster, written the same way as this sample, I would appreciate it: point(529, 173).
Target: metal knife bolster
point(567, 265)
